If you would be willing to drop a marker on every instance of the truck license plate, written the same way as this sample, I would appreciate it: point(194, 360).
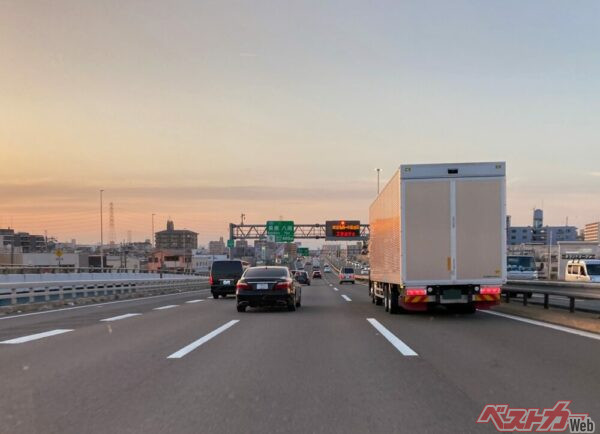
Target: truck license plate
point(452, 294)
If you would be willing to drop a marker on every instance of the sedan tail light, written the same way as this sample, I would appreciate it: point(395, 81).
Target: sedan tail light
point(242, 286)
point(286, 286)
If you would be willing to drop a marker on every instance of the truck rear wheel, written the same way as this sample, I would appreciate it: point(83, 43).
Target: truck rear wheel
point(394, 308)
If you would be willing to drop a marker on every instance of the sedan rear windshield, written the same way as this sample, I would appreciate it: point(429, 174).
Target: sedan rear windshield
point(348, 271)
point(271, 273)
point(227, 267)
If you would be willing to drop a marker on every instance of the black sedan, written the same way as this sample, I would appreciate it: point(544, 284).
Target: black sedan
point(268, 286)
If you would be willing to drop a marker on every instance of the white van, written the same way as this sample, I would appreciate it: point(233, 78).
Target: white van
point(583, 270)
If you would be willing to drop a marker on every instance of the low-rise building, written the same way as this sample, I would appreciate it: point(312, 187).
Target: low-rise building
point(538, 233)
point(170, 260)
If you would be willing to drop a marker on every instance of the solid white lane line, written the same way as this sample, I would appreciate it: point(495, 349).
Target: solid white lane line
point(545, 324)
point(345, 297)
point(191, 347)
point(169, 306)
point(117, 318)
point(36, 336)
point(100, 304)
point(194, 301)
point(400, 346)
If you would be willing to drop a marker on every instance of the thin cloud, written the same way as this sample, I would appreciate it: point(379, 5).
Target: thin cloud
point(595, 173)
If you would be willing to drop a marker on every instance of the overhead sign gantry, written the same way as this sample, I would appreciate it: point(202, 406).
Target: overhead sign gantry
point(281, 231)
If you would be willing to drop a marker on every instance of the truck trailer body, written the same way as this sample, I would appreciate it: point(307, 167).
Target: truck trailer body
point(438, 236)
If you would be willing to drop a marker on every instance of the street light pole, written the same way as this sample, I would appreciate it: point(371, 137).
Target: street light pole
point(101, 235)
point(378, 170)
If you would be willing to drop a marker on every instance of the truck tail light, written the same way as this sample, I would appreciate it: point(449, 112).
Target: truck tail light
point(416, 291)
point(211, 280)
point(490, 290)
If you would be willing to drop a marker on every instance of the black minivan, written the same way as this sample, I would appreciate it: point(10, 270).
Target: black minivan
point(224, 275)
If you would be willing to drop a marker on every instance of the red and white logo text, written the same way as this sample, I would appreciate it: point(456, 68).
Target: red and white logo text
point(556, 419)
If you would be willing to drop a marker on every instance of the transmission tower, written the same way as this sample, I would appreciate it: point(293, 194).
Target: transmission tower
point(112, 234)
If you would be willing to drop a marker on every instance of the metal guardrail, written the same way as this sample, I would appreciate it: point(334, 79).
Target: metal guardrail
point(569, 290)
point(36, 269)
point(36, 292)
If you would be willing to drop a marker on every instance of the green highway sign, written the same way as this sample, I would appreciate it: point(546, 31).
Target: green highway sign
point(230, 244)
point(303, 251)
point(282, 230)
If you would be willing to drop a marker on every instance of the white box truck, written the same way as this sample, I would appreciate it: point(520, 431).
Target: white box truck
point(438, 236)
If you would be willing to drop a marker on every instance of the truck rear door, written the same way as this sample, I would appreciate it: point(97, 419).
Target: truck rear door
point(478, 229)
point(427, 231)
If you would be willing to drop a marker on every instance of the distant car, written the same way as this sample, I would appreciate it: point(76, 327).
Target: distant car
point(346, 275)
point(268, 286)
point(302, 277)
point(364, 272)
point(223, 277)
point(327, 269)
point(317, 274)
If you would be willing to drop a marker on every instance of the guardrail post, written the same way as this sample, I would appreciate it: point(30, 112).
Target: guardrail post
point(13, 298)
point(546, 301)
point(571, 304)
point(507, 296)
point(524, 299)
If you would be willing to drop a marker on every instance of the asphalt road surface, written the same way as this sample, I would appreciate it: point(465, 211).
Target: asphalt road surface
point(173, 364)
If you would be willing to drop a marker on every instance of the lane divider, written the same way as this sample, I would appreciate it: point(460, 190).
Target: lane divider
point(191, 347)
point(117, 318)
point(545, 324)
point(36, 336)
point(392, 339)
point(169, 306)
point(335, 289)
point(345, 297)
point(194, 301)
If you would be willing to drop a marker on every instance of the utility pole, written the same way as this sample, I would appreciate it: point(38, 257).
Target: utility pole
point(378, 170)
point(101, 235)
point(243, 217)
point(152, 237)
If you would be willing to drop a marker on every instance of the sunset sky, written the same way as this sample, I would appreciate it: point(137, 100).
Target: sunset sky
point(202, 110)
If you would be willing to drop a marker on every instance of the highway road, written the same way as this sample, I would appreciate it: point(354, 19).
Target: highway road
point(185, 363)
